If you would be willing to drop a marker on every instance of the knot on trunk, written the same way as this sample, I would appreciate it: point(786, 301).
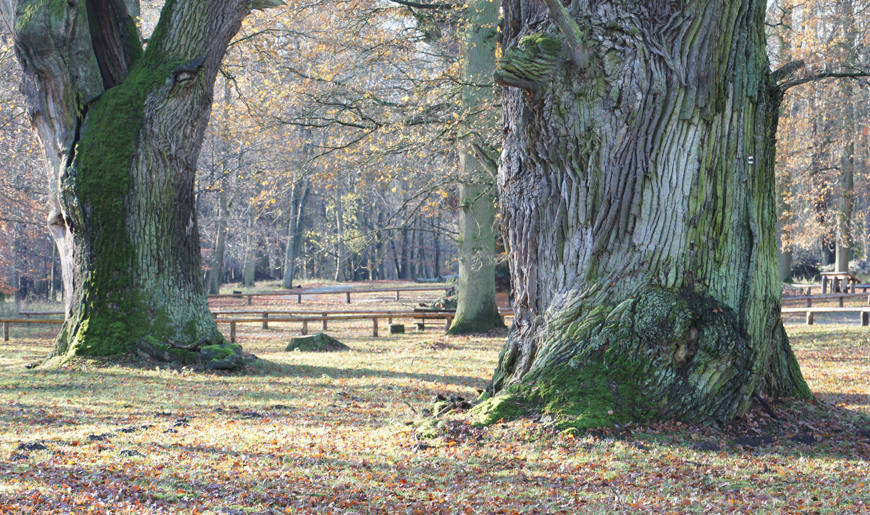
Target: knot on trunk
point(531, 61)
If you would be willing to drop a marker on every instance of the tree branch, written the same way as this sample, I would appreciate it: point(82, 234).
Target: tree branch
point(115, 38)
point(778, 77)
point(574, 36)
point(419, 5)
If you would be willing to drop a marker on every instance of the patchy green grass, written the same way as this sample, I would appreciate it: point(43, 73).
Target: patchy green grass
point(338, 432)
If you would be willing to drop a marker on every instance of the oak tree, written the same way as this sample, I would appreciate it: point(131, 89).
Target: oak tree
point(121, 123)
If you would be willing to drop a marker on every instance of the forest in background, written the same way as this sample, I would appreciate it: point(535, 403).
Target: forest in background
point(332, 148)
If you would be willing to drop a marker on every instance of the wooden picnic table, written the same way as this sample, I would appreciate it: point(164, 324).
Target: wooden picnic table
point(843, 282)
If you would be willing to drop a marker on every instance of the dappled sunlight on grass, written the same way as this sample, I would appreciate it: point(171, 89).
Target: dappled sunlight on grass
point(336, 431)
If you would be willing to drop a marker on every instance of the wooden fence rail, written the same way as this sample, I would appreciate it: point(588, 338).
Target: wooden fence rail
point(447, 316)
point(299, 293)
point(863, 313)
point(809, 299)
point(8, 322)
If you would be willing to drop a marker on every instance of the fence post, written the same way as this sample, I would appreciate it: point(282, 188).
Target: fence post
point(324, 321)
point(865, 318)
point(348, 297)
point(809, 318)
point(5, 331)
point(304, 327)
point(397, 294)
point(232, 332)
point(375, 327)
point(250, 297)
point(265, 320)
point(298, 298)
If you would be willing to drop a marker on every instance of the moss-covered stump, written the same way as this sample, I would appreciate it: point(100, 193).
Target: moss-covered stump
point(319, 342)
point(659, 355)
point(220, 355)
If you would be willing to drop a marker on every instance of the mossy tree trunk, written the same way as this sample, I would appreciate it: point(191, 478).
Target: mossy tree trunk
point(637, 194)
point(476, 308)
point(122, 128)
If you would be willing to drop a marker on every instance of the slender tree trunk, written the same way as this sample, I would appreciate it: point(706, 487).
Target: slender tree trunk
point(637, 192)
point(339, 246)
point(216, 274)
point(476, 308)
point(845, 239)
point(436, 243)
point(298, 197)
point(249, 266)
point(844, 211)
point(405, 267)
point(122, 129)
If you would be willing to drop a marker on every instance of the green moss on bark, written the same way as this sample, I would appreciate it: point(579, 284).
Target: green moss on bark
point(660, 355)
point(111, 316)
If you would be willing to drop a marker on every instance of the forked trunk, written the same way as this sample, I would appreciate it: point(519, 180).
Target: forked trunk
point(122, 130)
point(637, 192)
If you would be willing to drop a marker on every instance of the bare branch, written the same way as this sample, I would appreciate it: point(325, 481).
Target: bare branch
point(778, 77)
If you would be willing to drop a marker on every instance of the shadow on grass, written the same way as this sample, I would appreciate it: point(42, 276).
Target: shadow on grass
point(799, 429)
point(285, 370)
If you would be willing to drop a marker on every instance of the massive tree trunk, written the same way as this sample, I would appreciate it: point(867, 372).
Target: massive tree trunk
point(637, 191)
point(476, 308)
point(122, 128)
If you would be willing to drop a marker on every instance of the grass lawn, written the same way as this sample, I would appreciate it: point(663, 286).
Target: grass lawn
point(335, 432)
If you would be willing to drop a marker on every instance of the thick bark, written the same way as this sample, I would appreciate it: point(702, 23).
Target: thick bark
point(476, 308)
point(637, 192)
point(298, 197)
point(122, 130)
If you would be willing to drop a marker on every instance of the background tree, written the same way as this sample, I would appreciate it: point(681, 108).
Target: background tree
point(822, 161)
point(476, 308)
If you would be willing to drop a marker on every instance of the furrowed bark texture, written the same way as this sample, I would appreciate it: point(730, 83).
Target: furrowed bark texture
point(476, 308)
point(637, 193)
point(122, 129)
